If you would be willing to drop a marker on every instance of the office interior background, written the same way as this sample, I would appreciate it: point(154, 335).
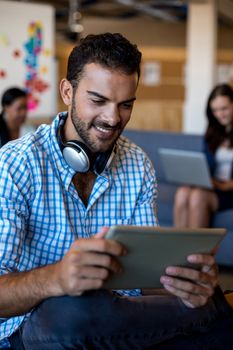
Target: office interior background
point(187, 48)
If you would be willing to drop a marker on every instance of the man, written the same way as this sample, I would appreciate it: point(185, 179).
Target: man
point(60, 188)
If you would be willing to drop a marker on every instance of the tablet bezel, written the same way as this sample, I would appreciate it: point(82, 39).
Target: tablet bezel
point(151, 249)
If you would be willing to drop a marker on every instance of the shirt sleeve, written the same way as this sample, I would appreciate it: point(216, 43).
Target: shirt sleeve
point(14, 187)
point(145, 213)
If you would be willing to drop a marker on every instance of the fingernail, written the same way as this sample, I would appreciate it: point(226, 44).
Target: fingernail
point(192, 258)
point(170, 270)
point(165, 279)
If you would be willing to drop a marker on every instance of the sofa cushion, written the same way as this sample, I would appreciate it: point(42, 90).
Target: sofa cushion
point(150, 141)
point(223, 217)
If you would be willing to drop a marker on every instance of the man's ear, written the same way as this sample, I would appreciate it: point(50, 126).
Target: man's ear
point(66, 91)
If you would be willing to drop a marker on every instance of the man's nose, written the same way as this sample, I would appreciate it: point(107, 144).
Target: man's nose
point(112, 115)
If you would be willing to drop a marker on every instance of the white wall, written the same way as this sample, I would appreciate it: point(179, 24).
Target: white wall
point(201, 64)
point(27, 53)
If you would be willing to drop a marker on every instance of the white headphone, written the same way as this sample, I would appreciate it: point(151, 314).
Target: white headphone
point(78, 156)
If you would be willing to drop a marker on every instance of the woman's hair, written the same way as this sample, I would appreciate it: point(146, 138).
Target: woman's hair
point(10, 95)
point(216, 133)
point(112, 51)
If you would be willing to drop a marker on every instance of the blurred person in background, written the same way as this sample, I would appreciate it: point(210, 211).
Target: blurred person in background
point(13, 114)
point(194, 206)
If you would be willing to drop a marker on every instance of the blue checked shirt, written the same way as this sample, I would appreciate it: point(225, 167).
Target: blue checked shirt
point(41, 213)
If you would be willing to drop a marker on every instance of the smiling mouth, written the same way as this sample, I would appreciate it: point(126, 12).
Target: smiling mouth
point(223, 120)
point(106, 129)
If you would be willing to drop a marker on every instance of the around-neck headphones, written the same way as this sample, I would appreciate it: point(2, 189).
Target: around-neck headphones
point(78, 156)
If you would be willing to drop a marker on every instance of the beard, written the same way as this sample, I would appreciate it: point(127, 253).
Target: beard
point(83, 130)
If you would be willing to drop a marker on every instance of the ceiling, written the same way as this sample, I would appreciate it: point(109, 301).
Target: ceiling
point(170, 10)
point(165, 9)
point(69, 13)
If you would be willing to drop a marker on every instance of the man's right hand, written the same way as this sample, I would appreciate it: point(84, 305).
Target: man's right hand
point(88, 264)
point(84, 267)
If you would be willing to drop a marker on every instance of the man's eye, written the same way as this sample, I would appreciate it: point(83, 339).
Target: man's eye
point(127, 105)
point(98, 102)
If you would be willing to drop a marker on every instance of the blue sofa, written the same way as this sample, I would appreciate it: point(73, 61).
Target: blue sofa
point(150, 141)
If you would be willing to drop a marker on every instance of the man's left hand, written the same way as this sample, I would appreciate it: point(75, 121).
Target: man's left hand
point(194, 287)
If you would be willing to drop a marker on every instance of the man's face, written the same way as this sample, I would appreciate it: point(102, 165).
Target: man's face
point(101, 106)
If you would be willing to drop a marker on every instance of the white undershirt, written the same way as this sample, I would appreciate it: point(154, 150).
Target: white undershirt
point(224, 159)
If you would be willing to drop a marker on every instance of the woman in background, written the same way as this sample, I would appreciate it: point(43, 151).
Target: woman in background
point(194, 206)
point(13, 115)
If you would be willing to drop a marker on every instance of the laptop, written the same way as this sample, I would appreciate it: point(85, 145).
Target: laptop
point(185, 167)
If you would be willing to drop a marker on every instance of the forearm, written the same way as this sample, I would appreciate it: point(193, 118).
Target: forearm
point(20, 292)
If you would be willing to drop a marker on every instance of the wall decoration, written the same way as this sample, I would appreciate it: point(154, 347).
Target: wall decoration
point(34, 84)
point(4, 41)
point(151, 73)
point(2, 73)
point(27, 54)
point(16, 53)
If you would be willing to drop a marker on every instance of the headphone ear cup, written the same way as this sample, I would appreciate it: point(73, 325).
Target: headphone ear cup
point(77, 156)
point(103, 160)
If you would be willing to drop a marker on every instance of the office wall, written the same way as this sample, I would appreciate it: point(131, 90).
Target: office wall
point(27, 60)
point(161, 92)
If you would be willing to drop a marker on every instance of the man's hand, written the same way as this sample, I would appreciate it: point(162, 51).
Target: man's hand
point(223, 185)
point(88, 264)
point(200, 285)
point(84, 267)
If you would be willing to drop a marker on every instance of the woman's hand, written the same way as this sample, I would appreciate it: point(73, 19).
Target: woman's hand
point(194, 287)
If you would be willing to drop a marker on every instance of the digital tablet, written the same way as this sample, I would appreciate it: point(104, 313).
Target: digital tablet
point(152, 249)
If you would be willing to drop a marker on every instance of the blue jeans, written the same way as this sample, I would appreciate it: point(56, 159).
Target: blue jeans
point(100, 321)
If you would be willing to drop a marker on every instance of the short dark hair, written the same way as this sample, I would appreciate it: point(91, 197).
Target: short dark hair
point(111, 50)
point(11, 94)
